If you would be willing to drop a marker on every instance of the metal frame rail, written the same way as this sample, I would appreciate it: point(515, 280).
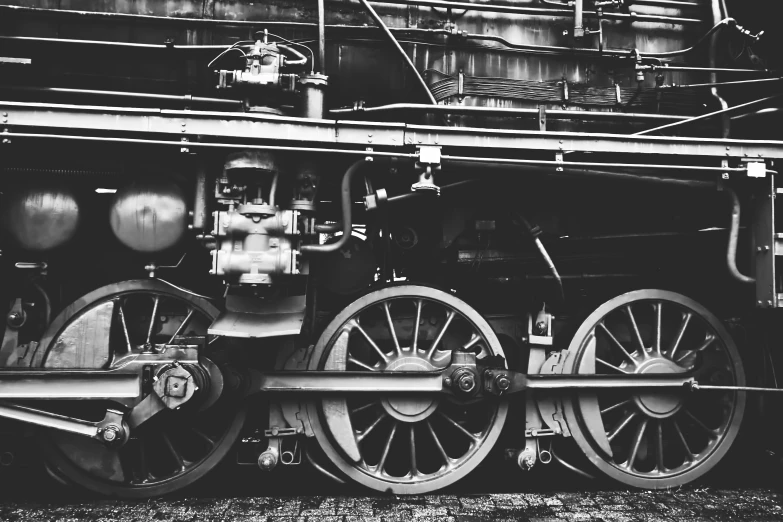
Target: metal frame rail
point(399, 137)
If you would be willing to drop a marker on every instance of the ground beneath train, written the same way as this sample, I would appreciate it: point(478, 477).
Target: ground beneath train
point(747, 488)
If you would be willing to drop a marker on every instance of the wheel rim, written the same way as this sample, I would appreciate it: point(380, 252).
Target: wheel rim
point(174, 448)
point(405, 444)
point(655, 439)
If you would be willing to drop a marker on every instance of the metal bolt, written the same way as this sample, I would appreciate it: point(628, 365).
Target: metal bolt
point(447, 381)
point(769, 303)
point(466, 383)
point(267, 461)
point(111, 433)
point(503, 383)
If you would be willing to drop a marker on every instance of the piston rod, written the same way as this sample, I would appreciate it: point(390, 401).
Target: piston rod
point(68, 384)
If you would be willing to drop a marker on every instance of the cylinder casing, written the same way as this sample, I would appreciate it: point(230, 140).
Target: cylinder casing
point(41, 218)
point(149, 215)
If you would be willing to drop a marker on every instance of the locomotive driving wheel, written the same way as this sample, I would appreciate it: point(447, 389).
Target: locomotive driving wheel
point(175, 447)
point(655, 439)
point(405, 444)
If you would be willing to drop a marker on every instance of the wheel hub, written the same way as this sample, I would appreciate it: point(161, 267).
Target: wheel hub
point(659, 404)
point(410, 408)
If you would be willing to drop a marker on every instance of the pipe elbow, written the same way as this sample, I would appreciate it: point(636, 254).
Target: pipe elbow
point(731, 254)
point(347, 222)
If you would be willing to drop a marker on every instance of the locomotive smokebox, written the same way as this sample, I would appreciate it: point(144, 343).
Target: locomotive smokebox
point(40, 219)
point(149, 215)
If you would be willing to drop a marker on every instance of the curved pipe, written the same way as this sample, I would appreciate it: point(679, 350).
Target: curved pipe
point(731, 254)
point(300, 58)
point(725, 119)
point(346, 220)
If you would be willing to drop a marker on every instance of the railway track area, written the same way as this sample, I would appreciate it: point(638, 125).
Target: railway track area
point(688, 504)
point(749, 489)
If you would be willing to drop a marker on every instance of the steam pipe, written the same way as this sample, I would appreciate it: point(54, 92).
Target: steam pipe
point(579, 26)
point(346, 219)
point(400, 50)
point(502, 111)
point(541, 11)
point(717, 16)
point(731, 253)
point(321, 37)
point(124, 94)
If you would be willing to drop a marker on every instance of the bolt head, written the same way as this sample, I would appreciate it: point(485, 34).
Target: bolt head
point(503, 382)
point(466, 383)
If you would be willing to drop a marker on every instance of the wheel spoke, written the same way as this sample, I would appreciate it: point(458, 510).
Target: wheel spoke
point(182, 325)
point(367, 337)
point(364, 407)
point(443, 454)
point(473, 340)
point(125, 329)
point(414, 467)
point(360, 435)
point(636, 332)
point(617, 343)
point(658, 313)
point(449, 318)
point(706, 344)
point(459, 426)
point(203, 436)
point(415, 344)
point(391, 327)
point(659, 445)
point(710, 432)
point(386, 448)
point(627, 418)
point(152, 318)
point(357, 362)
point(173, 452)
point(686, 318)
point(142, 462)
point(688, 453)
point(613, 367)
point(637, 441)
point(616, 406)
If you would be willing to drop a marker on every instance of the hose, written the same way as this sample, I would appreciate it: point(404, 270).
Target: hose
point(346, 219)
point(731, 253)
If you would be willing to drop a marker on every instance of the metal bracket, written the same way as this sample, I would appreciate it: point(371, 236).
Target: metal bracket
point(559, 160)
point(429, 162)
point(756, 168)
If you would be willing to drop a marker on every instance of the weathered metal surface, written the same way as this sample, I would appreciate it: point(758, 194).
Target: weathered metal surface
point(84, 343)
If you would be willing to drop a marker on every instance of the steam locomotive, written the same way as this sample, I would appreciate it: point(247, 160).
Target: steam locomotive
point(387, 238)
